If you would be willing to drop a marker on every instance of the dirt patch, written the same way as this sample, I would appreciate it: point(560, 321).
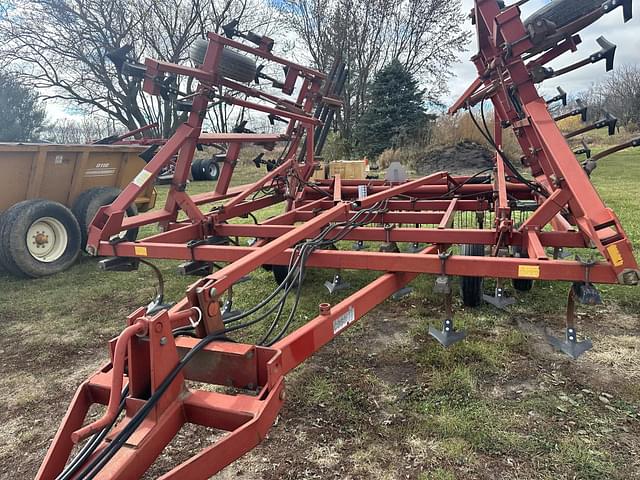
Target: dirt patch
point(463, 158)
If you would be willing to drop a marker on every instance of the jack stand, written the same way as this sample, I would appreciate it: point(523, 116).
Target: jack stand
point(403, 292)
point(358, 246)
point(498, 299)
point(570, 344)
point(448, 335)
point(336, 285)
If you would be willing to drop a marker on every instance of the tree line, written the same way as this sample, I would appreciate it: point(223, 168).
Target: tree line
point(59, 48)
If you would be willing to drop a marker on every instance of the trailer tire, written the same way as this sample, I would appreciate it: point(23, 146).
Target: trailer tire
point(557, 14)
point(39, 238)
point(233, 65)
point(2, 267)
point(210, 169)
point(89, 202)
point(196, 170)
point(471, 288)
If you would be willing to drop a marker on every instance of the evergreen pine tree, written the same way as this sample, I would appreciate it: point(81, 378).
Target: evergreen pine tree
point(394, 112)
point(21, 114)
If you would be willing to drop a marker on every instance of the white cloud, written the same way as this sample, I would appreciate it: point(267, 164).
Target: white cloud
point(611, 26)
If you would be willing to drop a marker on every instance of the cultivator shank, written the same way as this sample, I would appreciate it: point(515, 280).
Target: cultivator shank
point(507, 224)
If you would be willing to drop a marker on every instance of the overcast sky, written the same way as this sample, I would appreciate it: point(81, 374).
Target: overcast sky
point(612, 26)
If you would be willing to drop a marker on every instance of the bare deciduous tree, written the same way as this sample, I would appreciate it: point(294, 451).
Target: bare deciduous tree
point(619, 94)
point(83, 130)
point(424, 35)
point(60, 47)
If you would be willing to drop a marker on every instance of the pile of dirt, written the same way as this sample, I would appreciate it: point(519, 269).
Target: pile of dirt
point(462, 158)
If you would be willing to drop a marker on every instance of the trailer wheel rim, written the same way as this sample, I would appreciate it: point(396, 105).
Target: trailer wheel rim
point(47, 239)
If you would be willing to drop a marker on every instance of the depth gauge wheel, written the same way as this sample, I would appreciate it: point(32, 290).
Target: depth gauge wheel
point(471, 288)
point(38, 238)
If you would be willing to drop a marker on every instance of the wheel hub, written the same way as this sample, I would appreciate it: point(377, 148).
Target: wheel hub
point(47, 239)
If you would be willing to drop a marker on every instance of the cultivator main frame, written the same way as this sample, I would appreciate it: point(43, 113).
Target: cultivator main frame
point(148, 384)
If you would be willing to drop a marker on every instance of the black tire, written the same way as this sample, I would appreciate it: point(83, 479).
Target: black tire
point(471, 288)
point(280, 273)
point(196, 170)
point(564, 12)
point(89, 202)
point(558, 14)
point(233, 65)
point(519, 284)
point(2, 267)
point(59, 222)
point(210, 170)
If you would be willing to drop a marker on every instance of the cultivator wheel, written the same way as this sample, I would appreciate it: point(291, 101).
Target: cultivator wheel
point(472, 288)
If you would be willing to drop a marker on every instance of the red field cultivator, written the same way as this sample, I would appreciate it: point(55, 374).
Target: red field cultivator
point(498, 223)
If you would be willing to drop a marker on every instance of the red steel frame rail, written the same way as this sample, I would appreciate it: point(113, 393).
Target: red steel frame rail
point(423, 211)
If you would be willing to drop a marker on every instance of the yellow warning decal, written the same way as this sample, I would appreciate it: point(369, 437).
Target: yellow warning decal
point(141, 251)
point(529, 271)
point(616, 257)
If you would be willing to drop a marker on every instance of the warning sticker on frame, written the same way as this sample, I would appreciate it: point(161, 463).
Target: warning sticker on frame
point(344, 320)
point(616, 256)
point(529, 271)
point(141, 178)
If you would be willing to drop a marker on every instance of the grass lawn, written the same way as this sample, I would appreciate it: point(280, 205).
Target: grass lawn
point(384, 400)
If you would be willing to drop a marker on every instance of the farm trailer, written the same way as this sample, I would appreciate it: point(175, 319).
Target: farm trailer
point(49, 196)
point(149, 386)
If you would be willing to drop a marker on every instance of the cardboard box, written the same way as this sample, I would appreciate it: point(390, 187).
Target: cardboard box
point(348, 169)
